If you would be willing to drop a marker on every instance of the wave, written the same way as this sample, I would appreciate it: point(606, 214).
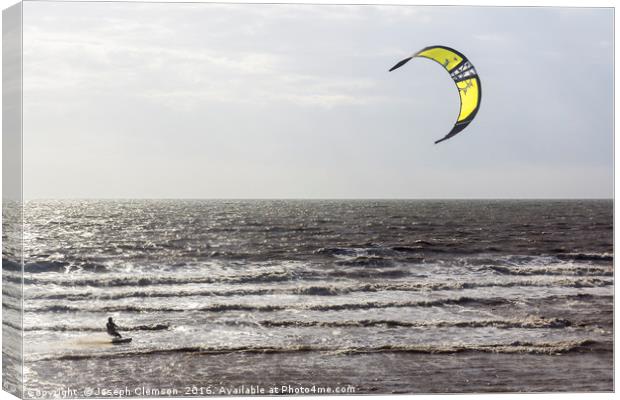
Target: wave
point(530, 322)
point(355, 250)
point(327, 289)
point(464, 300)
point(421, 247)
point(56, 308)
point(105, 281)
point(564, 270)
point(516, 347)
point(418, 246)
point(586, 256)
point(391, 273)
point(62, 267)
point(363, 261)
point(372, 262)
point(9, 265)
point(68, 328)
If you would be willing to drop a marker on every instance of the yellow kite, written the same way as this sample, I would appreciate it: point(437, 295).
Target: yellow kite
point(464, 75)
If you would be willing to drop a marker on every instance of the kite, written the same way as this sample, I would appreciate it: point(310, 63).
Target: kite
point(464, 75)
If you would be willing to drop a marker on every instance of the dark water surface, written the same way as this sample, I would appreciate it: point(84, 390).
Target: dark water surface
point(381, 296)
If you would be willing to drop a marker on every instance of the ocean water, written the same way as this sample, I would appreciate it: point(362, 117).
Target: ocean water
point(372, 296)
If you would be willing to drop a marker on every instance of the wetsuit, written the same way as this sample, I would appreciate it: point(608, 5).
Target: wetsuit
point(111, 328)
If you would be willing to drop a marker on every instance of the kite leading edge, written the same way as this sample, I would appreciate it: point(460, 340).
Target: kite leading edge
point(465, 77)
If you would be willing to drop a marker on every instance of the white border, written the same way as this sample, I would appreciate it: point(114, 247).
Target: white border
point(512, 3)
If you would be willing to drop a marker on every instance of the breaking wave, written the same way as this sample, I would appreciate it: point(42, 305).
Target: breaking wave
point(530, 322)
point(514, 347)
point(565, 270)
point(328, 290)
point(56, 308)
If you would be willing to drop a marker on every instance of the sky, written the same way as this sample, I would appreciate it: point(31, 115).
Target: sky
point(138, 100)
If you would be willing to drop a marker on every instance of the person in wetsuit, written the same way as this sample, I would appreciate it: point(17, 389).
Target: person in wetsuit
point(112, 328)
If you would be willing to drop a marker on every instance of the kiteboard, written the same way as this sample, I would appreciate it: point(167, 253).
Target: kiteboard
point(121, 340)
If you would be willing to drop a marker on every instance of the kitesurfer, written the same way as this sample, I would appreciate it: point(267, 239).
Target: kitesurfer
point(112, 328)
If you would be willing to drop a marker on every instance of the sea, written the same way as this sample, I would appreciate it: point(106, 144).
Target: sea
point(312, 297)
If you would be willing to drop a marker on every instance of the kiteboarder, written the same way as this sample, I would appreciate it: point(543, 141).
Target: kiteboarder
point(112, 328)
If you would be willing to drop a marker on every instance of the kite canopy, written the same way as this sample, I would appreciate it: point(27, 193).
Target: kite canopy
point(465, 77)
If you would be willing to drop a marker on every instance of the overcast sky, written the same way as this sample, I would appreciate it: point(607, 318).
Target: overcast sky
point(294, 101)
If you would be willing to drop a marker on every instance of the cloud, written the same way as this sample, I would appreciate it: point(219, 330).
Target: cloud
point(162, 89)
point(105, 59)
point(491, 37)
